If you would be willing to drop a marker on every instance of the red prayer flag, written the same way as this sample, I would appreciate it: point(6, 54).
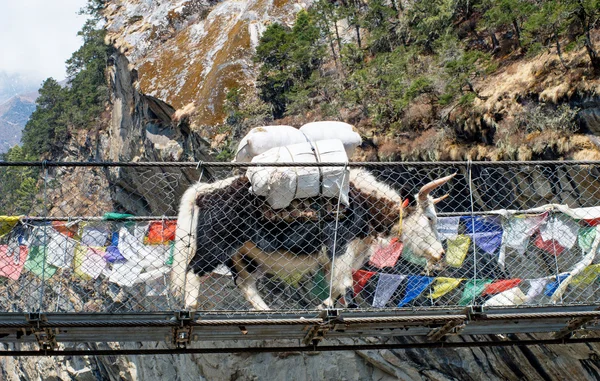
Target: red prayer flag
point(360, 278)
point(550, 246)
point(593, 221)
point(62, 228)
point(387, 256)
point(161, 232)
point(8, 267)
point(500, 286)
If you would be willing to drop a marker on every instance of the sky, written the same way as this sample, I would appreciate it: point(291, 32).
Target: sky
point(38, 36)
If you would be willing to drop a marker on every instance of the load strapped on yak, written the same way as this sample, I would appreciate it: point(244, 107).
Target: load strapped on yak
point(282, 187)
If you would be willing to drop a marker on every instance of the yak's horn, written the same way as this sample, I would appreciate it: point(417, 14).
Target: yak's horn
point(436, 200)
point(427, 188)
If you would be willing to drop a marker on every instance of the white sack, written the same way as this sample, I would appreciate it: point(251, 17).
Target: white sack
point(281, 185)
point(325, 130)
point(262, 139)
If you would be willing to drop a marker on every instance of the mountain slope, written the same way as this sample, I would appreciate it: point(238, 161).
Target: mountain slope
point(14, 114)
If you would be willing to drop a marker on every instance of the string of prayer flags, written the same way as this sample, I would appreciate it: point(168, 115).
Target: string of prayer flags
point(89, 262)
point(161, 232)
point(444, 285)
point(457, 249)
point(387, 256)
point(500, 286)
point(12, 260)
point(387, 284)
point(511, 297)
point(473, 288)
point(448, 227)
point(415, 285)
point(552, 286)
point(360, 278)
point(7, 223)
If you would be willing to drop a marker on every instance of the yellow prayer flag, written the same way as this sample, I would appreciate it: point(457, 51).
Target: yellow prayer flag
point(443, 285)
point(587, 276)
point(457, 249)
point(7, 223)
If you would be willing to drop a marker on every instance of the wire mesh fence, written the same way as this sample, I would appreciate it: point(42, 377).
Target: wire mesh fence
point(133, 237)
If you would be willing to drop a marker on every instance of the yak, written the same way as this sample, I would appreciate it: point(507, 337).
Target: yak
point(224, 223)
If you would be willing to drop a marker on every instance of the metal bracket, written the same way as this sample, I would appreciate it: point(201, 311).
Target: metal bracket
point(453, 327)
point(475, 313)
point(316, 333)
point(182, 335)
point(573, 325)
point(46, 337)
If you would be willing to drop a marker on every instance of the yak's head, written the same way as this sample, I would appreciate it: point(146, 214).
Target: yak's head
point(419, 228)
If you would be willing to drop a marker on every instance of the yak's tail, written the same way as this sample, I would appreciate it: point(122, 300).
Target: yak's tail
point(185, 239)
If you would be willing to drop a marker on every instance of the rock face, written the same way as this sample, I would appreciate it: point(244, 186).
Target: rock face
point(579, 362)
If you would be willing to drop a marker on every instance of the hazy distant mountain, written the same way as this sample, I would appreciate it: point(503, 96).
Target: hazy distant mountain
point(14, 114)
point(17, 84)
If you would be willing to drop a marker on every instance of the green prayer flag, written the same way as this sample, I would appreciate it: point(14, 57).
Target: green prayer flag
point(36, 263)
point(409, 256)
point(169, 261)
point(116, 216)
point(473, 288)
point(320, 287)
point(585, 238)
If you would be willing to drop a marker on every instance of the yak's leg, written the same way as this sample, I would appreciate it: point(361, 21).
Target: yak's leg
point(342, 279)
point(192, 291)
point(246, 277)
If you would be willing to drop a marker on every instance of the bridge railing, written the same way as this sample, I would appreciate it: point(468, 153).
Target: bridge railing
point(102, 237)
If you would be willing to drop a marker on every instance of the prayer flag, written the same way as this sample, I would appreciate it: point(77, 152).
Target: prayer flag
point(457, 249)
point(562, 229)
point(536, 287)
point(7, 223)
point(387, 256)
point(585, 238)
point(511, 297)
point(552, 286)
point(386, 286)
point(550, 246)
point(444, 285)
point(448, 227)
point(587, 276)
point(360, 278)
point(36, 263)
point(12, 260)
point(161, 232)
point(320, 287)
point(473, 289)
point(518, 229)
point(500, 286)
point(415, 285)
point(89, 262)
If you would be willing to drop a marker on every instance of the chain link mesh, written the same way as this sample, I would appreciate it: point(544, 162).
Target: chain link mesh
point(105, 239)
